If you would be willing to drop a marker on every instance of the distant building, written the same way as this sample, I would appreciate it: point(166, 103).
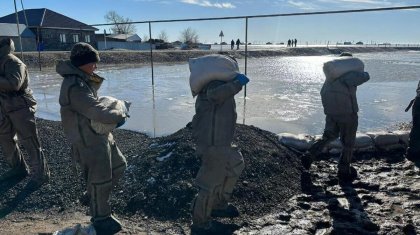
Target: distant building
point(121, 41)
point(125, 37)
point(347, 43)
point(359, 43)
point(11, 31)
point(53, 30)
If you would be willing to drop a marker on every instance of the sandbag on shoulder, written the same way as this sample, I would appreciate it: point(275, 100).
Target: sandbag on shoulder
point(209, 68)
point(336, 68)
point(112, 103)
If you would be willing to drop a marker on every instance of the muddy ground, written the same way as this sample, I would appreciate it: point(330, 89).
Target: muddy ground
point(156, 191)
point(274, 194)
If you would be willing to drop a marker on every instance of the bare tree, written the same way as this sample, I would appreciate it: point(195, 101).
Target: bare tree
point(189, 35)
point(163, 36)
point(121, 24)
point(145, 38)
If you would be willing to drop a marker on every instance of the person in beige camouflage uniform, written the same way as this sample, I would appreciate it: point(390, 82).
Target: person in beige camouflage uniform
point(341, 109)
point(413, 150)
point(221, 164)
point(98, 155)
point(17, 117)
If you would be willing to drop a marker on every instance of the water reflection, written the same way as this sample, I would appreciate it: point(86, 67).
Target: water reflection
point(282, 96)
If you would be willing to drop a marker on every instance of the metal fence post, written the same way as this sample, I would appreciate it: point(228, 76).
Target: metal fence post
point(153, 79)
point(151, 52)
point(18, 29)
point(246, 65)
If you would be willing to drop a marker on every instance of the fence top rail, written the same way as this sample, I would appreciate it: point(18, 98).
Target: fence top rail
point(270, 15)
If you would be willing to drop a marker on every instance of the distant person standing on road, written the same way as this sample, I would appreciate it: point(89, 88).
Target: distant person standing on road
point(237, 44)
point(17, 117)
point(288, 43)
point(232, 44)
point(295, 42)
point(413, 150)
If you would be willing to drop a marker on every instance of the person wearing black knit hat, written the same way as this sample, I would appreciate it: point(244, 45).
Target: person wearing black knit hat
point(97, 154)
point(17, 117)
point(82, 54)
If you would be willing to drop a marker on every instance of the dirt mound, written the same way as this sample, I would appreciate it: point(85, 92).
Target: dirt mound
point(158, 182)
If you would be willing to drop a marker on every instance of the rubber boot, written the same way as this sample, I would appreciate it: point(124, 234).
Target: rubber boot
point(18, 172)
point(411, 155)
point(230, 211)
point(306, 160)
point(107, 226)
point(346, 173)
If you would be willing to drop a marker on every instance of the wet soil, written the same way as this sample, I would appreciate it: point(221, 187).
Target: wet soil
point(384, 199)
point(157, 189)
point(274, 194)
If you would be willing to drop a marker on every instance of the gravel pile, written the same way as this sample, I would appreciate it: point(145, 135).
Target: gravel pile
point(158, 182)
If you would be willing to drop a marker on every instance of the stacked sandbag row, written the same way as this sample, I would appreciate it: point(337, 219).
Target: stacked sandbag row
point(365, 142)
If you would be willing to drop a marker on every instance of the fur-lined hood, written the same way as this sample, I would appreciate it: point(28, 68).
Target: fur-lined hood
point(66, 68)
point(6, 47)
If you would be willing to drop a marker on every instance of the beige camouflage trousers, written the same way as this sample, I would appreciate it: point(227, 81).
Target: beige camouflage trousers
point(220, 169)
point(102, 165)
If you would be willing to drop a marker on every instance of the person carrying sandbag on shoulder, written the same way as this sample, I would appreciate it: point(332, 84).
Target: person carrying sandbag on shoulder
point(338, 95)
point(215, 80)
point(93, 146)
point(413, 150)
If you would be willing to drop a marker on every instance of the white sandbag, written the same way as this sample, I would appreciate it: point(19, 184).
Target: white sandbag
point(335, 144)
point(77, 230)
point(335, 151)
point(335, 68)
point(404, 136)
point(391, 147)
point(368, 149)
point(318, 137)
point(209, 68)
point(301, 142)
point(363, 141)
point(383, 138)
point(112, 103)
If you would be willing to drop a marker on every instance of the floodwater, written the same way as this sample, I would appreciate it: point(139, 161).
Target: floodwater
point(282, 96)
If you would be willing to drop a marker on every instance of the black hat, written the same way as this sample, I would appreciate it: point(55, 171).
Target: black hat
point(7, 42)
point(83, 53)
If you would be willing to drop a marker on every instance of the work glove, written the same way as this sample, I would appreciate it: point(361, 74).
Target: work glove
point(127, 105)
point(121, 123)
point(243, 80)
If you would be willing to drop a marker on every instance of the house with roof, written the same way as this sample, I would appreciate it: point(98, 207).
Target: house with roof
point(12, 31)
point(124, 37)
point(121, 41)
point(54, 31)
